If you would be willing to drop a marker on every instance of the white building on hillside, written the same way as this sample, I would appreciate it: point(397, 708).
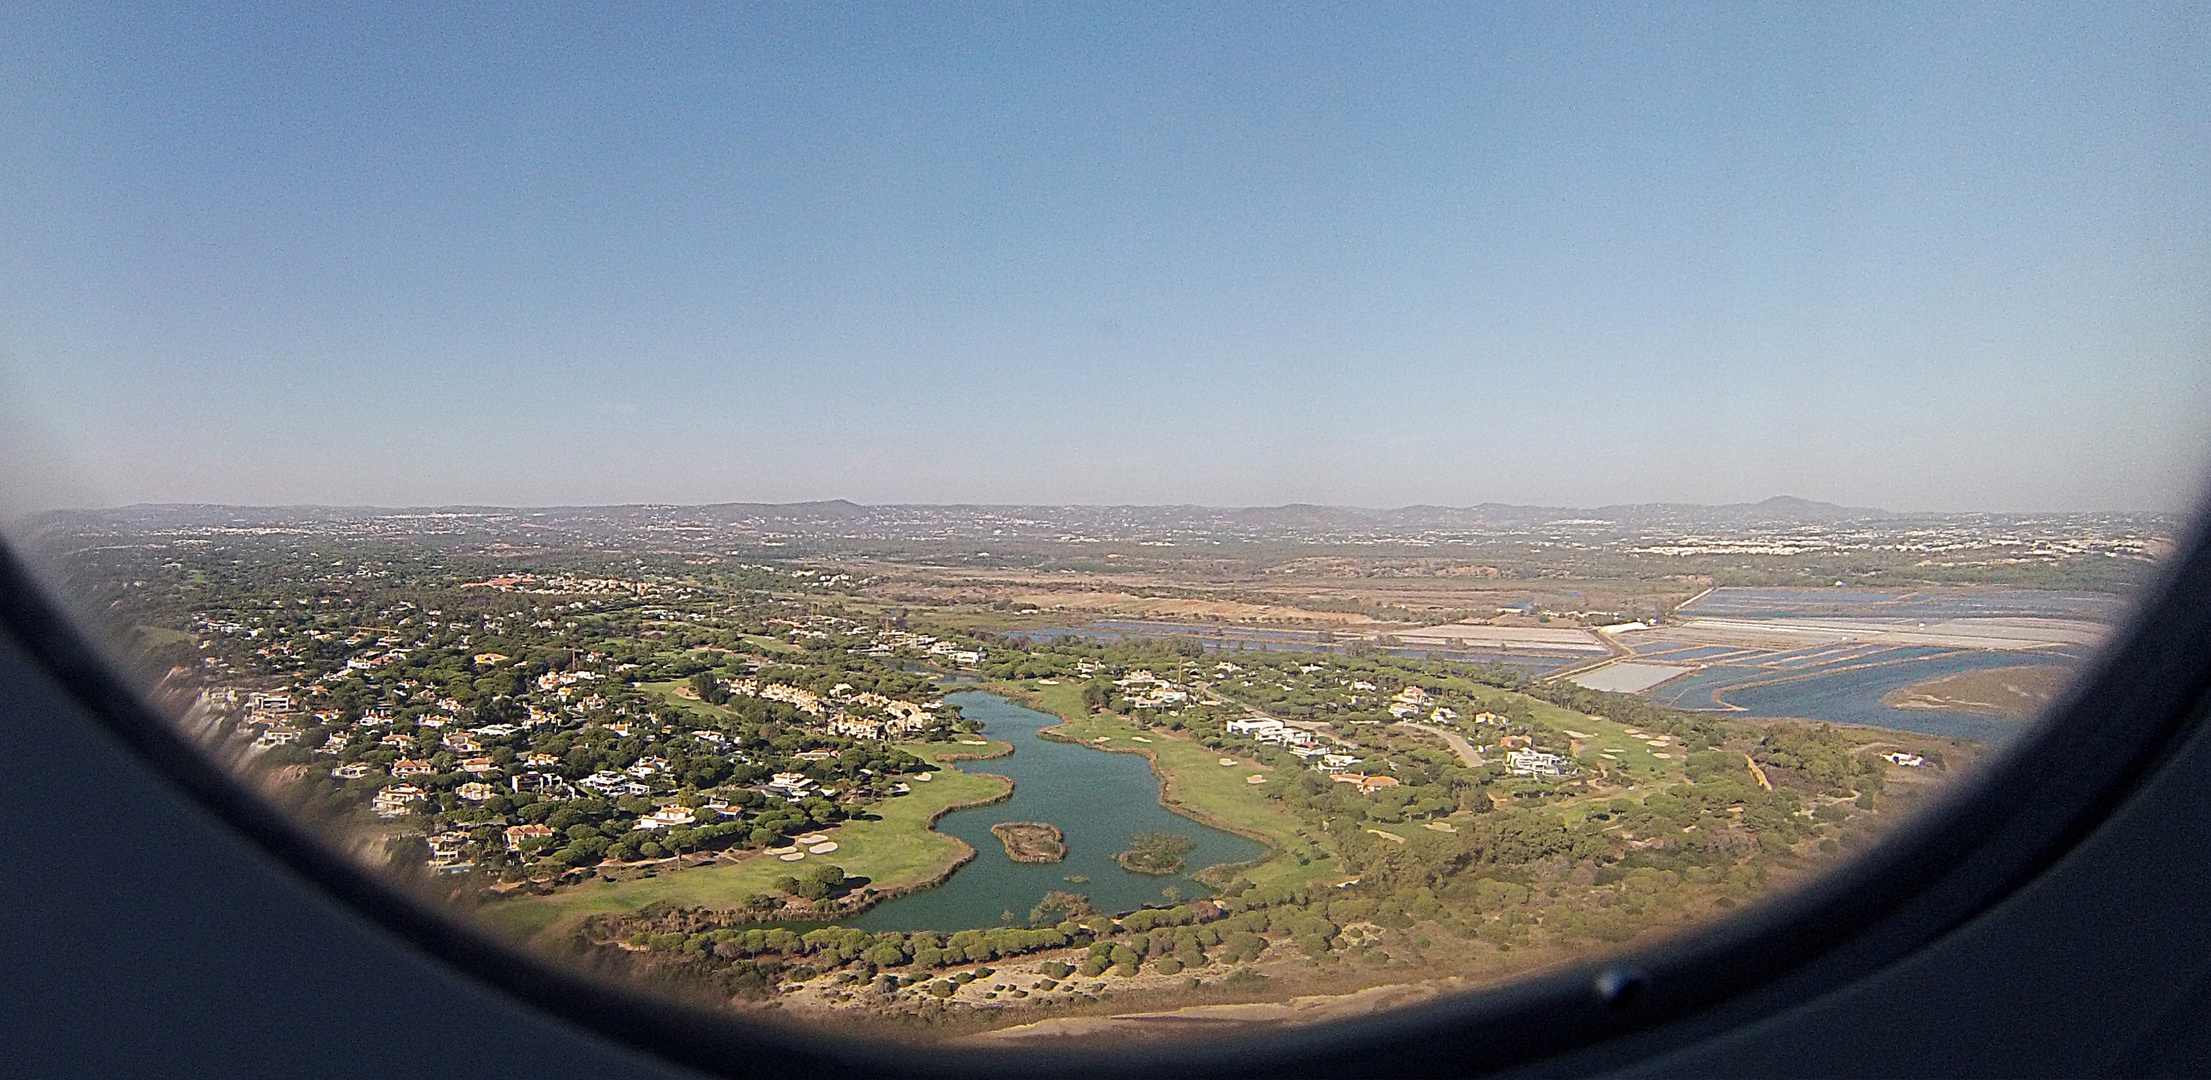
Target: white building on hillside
point(1535, 763)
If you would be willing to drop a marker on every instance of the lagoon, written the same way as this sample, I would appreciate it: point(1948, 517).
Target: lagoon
point(1101, 801)
point(1851, 691)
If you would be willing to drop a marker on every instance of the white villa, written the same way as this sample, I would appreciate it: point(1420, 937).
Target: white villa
point(1535, 763)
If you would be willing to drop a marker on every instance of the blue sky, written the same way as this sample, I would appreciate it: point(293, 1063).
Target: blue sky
point(1922, 257)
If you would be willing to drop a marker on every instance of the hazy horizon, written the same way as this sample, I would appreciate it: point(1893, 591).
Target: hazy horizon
point(1946, 258)
point(486, 506)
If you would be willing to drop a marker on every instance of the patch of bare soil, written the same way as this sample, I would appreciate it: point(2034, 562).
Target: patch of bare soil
point(1197, 1020)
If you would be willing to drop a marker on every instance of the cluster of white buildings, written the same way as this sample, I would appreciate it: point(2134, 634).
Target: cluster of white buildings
point(1269, 731)
point(1413, 701)
point(896, 717)
point(1305, 744)
point(1145, 690)
point(553, 681)
point(889, 641)
point(882, 717)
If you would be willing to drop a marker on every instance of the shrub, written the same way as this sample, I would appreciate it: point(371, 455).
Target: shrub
point(1244, 946)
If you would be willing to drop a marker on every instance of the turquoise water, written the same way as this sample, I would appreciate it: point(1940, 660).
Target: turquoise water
point(1100, 800)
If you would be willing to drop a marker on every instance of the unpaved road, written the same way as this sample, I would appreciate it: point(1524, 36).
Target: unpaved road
point(1458, 742)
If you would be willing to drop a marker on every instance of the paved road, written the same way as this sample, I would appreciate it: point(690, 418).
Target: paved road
point(1458, 742)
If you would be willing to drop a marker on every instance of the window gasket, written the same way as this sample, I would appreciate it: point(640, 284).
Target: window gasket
point(2027, 805)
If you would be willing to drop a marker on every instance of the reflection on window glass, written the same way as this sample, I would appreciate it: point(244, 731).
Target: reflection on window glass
point(462, 448)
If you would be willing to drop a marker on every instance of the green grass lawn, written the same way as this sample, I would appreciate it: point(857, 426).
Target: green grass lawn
point(769, 644)
point(1634, 763)
point(1194, 780)
point(162, 635)
point(896, 848)
point(1635, 760)
point(690, 706)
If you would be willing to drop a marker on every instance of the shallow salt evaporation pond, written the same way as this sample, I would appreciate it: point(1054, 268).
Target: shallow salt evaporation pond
point(1101, 801)
point(1629, 678)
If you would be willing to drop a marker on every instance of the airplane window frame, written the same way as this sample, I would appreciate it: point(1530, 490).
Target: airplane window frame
point(2027, 806)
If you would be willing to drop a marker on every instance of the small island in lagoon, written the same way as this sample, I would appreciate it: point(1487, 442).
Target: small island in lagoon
point(1031, 841)
point(1158, 854)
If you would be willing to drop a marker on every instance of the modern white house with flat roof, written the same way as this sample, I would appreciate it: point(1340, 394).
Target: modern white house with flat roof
point(1535, 763)
point(1255, 725)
